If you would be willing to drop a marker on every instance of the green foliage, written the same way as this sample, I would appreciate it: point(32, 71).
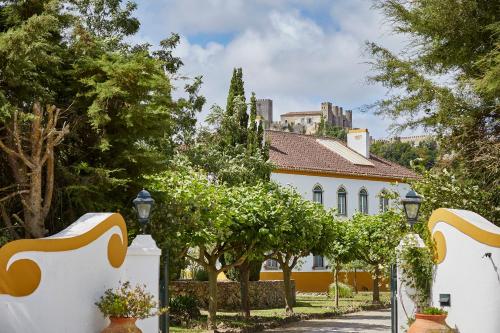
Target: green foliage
point(183, 309)
point(446, 81)
point(233, 274)
point(376, 239)
point(116, 98)
point(345, 290)
point(200, 274)
point(416, 265)
point(127, 301)
point(434, 311)
point(443, 188)
point(404, 153)
point(331, 131)
point(377, 236)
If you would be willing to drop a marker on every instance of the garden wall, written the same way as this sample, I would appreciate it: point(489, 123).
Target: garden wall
point(263, 294)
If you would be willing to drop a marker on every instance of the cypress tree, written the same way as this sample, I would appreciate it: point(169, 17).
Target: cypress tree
point(242, 111)
point(233, 92)
point(260, 136)
point(252, 128)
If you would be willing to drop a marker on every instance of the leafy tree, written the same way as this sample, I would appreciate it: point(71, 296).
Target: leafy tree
point(341, 249)
point(303, 227)
point(446, 81)
point(213, 219)
point(116, 99)
point(443, 188)
point(376, 239)
point(330, 130)
point(405, 153)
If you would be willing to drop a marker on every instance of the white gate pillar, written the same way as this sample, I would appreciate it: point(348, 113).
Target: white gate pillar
point(142, 266)
point(406, 306)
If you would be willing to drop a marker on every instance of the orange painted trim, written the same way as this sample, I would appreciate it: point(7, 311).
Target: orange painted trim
point(22, 277)
point(449, 217)
point(337, 175)
point(358, 130)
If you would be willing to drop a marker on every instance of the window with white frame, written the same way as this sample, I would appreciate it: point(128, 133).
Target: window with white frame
point(342, 201)
point(363, 201)
point(383, 202)
point(318, 194)
point(271, 264)
point(318, 262)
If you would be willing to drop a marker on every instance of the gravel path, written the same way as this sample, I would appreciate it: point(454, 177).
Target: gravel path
point(365, 321)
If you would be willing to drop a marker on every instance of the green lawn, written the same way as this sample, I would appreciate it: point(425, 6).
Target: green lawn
point(307, 305)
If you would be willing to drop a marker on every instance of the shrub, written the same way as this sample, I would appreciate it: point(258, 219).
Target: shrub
point(200, 275)
point(434, 311)
point(129, 302)
point(183, 309)
point(345, 290)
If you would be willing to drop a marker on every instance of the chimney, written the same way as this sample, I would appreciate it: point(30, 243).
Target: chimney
point(359, 141)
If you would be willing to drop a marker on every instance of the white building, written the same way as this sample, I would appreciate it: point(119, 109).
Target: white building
point(341, 176)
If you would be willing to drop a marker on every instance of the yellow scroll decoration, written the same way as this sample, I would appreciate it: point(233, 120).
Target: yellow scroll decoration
point(23, 276)
point(449, 217)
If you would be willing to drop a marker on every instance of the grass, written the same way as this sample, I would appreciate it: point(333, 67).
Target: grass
point(308, 306)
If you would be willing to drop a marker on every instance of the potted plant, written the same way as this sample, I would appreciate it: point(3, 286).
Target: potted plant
point(417, 267)
point(124, 305)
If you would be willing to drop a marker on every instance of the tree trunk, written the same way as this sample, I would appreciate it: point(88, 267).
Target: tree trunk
point(376, 290)
point(287, 274)
point(212, 298)
point(336, 287)
point(355, 282)
point(244, 286)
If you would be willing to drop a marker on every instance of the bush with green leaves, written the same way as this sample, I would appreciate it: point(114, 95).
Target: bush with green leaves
point(345, 290)
point(434, 311)
point(200, 274)
point(183, 309)
point(130, 302)
point(417, 267)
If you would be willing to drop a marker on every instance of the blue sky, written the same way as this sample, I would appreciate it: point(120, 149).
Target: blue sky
point(296, 52)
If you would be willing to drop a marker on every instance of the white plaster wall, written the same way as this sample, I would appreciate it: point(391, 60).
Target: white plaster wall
point(142, 266)
point(473, 281)
point(71, 282)
point(305, 184)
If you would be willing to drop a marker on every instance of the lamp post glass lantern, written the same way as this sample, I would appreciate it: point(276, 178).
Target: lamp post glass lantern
point(143, 204)
point(411, 204)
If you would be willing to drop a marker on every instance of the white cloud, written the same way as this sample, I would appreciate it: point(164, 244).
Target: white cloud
point(285, 55)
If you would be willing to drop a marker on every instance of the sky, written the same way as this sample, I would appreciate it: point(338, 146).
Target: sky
point(298, 53)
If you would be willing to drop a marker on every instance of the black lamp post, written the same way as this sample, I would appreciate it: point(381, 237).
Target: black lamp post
point(411, 204)
point(143, 205)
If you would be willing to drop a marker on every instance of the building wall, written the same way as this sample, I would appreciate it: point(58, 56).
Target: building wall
point(319, 279)
point(318, 282)
point(265, 110)
point(305, 184)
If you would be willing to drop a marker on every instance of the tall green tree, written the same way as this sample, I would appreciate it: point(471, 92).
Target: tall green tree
point(215, 219)
point(115, 98)
point(303, 227)
point(341, 249)
point(446, 81)
point(376, 239)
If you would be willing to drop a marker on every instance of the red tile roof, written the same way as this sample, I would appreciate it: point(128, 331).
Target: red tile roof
point(298, 153)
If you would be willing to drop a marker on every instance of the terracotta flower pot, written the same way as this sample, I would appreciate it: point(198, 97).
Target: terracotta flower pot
point(122, 325)
point(425, 323)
